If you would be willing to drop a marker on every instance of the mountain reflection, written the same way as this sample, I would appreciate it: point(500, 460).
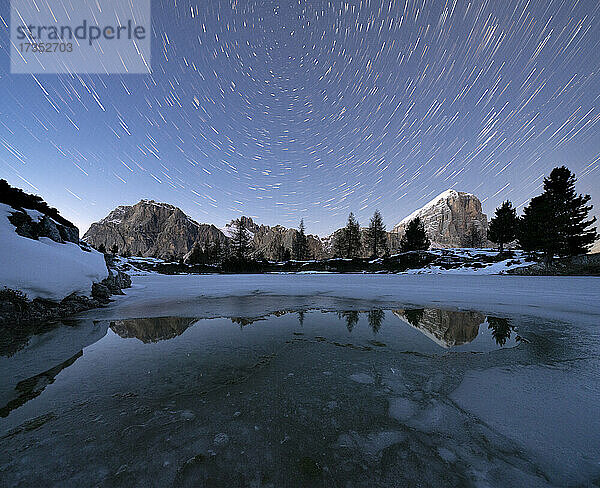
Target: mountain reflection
point(152, 329)
point(446, 327)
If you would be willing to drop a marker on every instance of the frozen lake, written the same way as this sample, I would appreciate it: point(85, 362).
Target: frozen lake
point(311, 380)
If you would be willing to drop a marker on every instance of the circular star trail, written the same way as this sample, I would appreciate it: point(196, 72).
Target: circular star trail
point(289, 110)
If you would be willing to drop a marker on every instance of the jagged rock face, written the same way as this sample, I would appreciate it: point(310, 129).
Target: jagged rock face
point(267, 241)
point(449, 219)
point(152, 229)
point(447, 328)
point(595, 248)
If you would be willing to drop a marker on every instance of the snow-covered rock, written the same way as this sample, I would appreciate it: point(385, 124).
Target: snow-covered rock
point(44, 268)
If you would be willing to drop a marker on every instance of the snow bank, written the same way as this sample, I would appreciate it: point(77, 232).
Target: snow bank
point(44, 268)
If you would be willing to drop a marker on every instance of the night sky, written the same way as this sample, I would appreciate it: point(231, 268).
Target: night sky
point(282, 110)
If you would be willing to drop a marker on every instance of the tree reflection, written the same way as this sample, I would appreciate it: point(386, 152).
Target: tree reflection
point(351, 317)
point(414, 316)
point(375, 318)
point(301, 318)
point(501, 329)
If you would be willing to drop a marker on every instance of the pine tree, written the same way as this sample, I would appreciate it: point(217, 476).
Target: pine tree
point(555, 221)
point(503, 226)
point(240, 241)
point(353, 240)
point(300, 244)
point(347, 243)
point(114, 249)
point(575, 232)
point(197, 255)
point(102, 248)
point(415, 238)
point(377, 236)
point(340, 245)
point(215, 253)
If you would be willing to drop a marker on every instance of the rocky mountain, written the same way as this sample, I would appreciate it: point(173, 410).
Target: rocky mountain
point(149, 228)
point(452, 219)
point(273, 242)
point(595, 248)
point(152, 229)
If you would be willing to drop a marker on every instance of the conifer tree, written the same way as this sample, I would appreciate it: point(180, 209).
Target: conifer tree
point(377, 236)
point(300, 244)
point(196, 255)
point(240, 241)
point(503, 226)
point(353, 241)
point(415, 238)
point(555, 222)
point(347, 242)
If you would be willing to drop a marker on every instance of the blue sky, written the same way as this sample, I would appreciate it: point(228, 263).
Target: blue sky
point(291, 110)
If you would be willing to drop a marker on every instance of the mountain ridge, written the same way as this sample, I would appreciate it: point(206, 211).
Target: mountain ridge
point(150, 228)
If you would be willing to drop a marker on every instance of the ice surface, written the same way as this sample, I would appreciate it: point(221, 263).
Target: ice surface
point(553, 414)
point(576, 298)
point(253, 400)
point(44, 268)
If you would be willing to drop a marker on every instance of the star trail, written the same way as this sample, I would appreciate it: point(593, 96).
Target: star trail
point(289, 110)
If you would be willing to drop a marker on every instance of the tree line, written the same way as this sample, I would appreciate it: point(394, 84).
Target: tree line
point(554, 223)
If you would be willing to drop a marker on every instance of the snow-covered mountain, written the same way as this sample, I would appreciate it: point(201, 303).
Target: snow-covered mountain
point(452, 219)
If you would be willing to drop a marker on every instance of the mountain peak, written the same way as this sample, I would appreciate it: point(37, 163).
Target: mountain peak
point(451, 219)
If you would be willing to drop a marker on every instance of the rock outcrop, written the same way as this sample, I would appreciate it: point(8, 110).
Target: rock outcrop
point(151, 229)
point(452, 219)
point(33, 225)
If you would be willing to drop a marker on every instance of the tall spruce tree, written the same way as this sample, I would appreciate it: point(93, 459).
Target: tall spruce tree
point(197, 255)
point(377, 236)
point(503, 226)
point(300, 244)
point(240, 240)
point(415, 238)
point(556, 222)
point(353, 240)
